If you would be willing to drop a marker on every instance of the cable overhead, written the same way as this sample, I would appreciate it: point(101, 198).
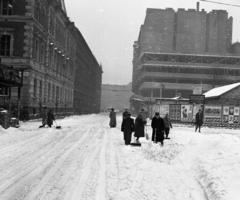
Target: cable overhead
point(220, 3)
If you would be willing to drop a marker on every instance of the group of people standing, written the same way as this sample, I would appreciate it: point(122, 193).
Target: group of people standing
point(47, 117)
point(160, 127)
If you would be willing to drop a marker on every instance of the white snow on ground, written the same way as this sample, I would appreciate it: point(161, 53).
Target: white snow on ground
point(88, 160)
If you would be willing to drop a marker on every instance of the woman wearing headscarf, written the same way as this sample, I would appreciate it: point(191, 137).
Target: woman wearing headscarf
point(50, 118)
point(139, 127)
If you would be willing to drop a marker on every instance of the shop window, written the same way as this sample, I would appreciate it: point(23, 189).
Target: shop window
point(6, 7)
point(5, 44)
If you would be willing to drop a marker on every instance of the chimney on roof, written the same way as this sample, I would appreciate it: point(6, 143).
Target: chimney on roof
point(198, 6)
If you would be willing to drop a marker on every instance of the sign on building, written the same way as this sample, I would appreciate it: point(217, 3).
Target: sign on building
point(212, 114)
point(197, 99)
point(197, 90)
point(230, 115)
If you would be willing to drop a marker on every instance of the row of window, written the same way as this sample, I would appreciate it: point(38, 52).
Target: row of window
point(191, 70)
point(51, 92)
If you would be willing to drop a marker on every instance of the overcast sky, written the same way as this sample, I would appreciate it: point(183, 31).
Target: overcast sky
point(110, 28)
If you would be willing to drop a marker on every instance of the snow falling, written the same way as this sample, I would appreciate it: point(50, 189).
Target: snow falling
point(88, 160)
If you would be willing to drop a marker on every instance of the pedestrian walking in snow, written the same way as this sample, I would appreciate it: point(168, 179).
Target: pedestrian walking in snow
point(127, 128)
point(199, 120)
point(112, 116)
point(139, 127)
point(167, 124)
point(50, 118)
point(158, 129)
point(124, 115)
point(144, 116)
point(44, 117)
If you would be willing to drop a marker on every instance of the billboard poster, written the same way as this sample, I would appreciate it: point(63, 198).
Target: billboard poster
point(164, 109)
point(196, 108)
point(175, 112)
point(186, 113)
point(212, 114)
point(230, 115)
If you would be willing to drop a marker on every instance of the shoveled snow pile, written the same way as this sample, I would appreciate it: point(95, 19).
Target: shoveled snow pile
point(88, 160)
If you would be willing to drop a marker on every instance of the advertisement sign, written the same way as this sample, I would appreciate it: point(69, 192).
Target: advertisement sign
point(197, 99)
point(164, 109)
point(230, 115)
point(212, 114)
point(186, 113)
point(175, 112)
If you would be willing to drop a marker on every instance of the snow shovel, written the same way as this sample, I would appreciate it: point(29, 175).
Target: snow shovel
point(135, 143)
point(57, 127)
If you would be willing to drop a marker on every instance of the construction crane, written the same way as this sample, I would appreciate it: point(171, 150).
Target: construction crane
point(220, 3)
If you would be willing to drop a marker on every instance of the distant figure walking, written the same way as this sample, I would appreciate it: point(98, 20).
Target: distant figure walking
point(124, 115)
point(50, 118)
point(112, 116)
point(127, 128)
point(44, 117)
point(144, 116)
point(167, 124)
point(158, 129)
point(139, 127)
point(199, 120)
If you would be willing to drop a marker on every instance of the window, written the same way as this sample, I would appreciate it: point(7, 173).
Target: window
point(37, 11)
point(6, 7)
point(42, 54)
point(57, 93)
point(35, 88)
point(5, 44)
point(50, 56)
point(40, 90)
point(49, 92)
point(53, 92)
point(36, 51)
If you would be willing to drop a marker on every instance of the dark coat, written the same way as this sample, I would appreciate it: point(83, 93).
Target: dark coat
point(127, 128)
point(139, 127)
point(199, 119)
point(158, 127)
point(113, 121)
point(50, 118)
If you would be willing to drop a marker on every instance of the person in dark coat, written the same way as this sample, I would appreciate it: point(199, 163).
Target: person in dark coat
point(158, 129)
point(139, 127)
point(199, 120)
point(50, 118)
point(167, 124)
point(112, 116)
point(125, 113)
point(44, 116)
point(127, 128)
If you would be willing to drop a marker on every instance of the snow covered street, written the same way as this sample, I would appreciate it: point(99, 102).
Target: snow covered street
point(87, 160)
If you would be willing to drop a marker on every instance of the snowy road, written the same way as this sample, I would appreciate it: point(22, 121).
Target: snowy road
point(87, 160)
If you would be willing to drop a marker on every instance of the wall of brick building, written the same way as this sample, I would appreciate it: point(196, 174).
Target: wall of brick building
point(191, 31)
point(116, 96)
point(158, 30)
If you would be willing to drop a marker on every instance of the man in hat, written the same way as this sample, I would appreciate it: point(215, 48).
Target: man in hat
point(199, 120)
point(158, 129)
point(127, 128)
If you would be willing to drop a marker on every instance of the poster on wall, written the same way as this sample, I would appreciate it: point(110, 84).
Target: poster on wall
point(186, 113)
point(230, 115)
point(164, 109)
point(196, 108)
point(212, 114)
point(175, 112)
